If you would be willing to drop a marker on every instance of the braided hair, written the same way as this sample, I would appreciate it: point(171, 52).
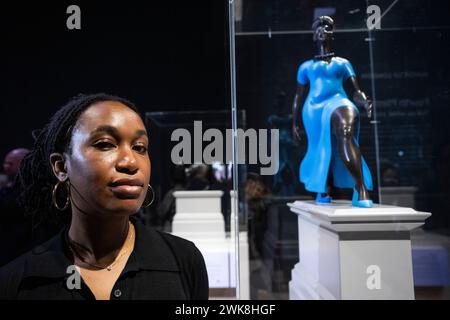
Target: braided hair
point(36, 178)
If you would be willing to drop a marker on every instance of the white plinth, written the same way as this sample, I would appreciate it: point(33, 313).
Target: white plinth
point(198, 215)
point(353, 253)
point(199, 219)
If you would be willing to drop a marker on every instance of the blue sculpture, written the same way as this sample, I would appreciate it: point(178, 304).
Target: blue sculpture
point(331, 122)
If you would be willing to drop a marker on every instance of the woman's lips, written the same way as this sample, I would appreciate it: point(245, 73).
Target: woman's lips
point(127, 188)
point(127, 191)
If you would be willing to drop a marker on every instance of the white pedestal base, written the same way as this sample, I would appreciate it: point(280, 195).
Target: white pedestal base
point(353, 253)
point(199, 219)
point(198, 214)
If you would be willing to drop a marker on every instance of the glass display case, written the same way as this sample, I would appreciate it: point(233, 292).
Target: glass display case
point(399, 51)
point(194, 189)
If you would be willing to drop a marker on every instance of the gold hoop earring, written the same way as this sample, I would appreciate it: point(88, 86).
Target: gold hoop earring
point(153, 197)
point(55, 188)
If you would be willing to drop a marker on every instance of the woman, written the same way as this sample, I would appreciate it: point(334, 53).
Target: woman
point(331, 121)
point(91, 161)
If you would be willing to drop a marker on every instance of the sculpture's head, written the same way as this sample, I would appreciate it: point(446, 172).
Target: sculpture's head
point(323, 29)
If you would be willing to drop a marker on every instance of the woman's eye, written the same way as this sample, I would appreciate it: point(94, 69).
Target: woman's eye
point(104, 145)
point(140, 148)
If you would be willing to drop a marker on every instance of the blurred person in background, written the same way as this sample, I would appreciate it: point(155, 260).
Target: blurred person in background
point(257, 195)
point(15, 227)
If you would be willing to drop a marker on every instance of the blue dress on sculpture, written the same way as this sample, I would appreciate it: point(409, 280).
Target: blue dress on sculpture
point(326, 94)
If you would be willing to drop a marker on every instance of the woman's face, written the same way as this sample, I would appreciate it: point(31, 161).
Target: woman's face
point(108, 165)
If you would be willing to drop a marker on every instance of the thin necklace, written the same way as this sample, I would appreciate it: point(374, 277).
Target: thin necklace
point(108, 267)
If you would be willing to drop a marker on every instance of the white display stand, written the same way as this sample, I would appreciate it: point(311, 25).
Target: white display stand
point(353, 253)
point(198, 215)
point(199, 219)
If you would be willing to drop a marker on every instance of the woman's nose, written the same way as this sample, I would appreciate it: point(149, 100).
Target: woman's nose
point(127, 161)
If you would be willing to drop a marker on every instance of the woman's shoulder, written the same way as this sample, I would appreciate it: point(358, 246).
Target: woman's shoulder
point(160, 242)
point(182, 247)
point(39, 261)
point(11, 276)
point(187, 257)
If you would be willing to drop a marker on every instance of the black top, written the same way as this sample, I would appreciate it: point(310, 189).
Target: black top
point(161, 266)
point(15, 227)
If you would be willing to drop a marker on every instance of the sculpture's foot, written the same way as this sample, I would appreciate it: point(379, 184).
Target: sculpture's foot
point(323, 198)
point(360, 203)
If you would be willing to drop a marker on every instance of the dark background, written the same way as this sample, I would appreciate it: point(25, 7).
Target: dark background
point(162, 55)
